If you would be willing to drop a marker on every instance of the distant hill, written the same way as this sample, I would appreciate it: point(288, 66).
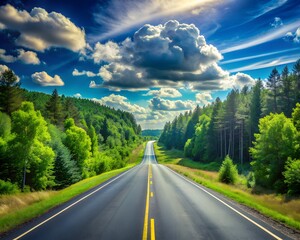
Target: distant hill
point(152, 132)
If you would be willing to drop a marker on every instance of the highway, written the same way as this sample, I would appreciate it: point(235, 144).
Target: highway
point(150, 201)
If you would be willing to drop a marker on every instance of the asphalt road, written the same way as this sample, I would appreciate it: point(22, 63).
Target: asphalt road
point(149, 201)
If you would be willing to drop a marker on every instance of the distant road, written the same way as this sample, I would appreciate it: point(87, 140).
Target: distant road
point(149, 201)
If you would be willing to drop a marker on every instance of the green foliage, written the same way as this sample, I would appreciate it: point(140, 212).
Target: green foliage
point(65, 170)
point(228, 172)
point(78, 142)
point(275, 142)
point(250, 180)
point(54, 109)
point(292, 176)
point(296, 116)
point(5, 125)
point(29, 148)
point(10, 92)
point(8, 187)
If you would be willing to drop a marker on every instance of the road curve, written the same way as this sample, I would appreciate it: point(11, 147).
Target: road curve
point(149, 201)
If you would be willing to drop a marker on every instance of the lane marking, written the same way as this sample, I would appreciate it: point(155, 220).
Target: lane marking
point(152, 229)
point(151, 182)
point(227, 205)
point(145, 231)
point(66, 208)
point(151, 194)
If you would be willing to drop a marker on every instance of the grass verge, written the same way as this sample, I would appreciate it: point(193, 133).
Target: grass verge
point(271, 205)
point(19, 208)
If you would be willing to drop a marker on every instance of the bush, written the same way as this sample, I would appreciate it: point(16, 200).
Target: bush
point(8, 187)
point(292, 176)
point(250, 180)
point(228, 172)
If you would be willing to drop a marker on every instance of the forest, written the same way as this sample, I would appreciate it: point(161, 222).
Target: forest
point(52, 141)
point(258, 128)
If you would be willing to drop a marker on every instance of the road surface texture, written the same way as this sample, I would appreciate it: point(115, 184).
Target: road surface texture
point(150, 201)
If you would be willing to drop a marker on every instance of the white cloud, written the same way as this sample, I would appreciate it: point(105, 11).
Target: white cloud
point(203, 98)
point(6, 58)
point(122, 103)
point(240, 80)
point(40, 30)
point(4, 68)
point(42, 78)
point(27, 57)
point(266, 37)
point(273, 62)
point(161, 56)
point(77, 95)
point(120, 16)
point(164, 92)
point(94, 85)
point(107, 52)
point(87, 73)
point(295, 37)
point(277, 22)
point(159, 104)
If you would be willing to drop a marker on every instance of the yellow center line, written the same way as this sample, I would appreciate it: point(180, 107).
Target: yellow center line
point(152, 229)
point(145, 231)
point(151, 194)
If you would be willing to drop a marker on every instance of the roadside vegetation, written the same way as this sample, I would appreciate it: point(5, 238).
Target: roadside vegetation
point(16, 209)
point(283, 208)
point(258, 128)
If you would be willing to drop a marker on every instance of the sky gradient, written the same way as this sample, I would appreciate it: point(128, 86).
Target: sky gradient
point(153, 58)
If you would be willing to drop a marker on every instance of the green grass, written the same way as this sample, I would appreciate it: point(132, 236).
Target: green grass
point(271, 205)
point(27, 212)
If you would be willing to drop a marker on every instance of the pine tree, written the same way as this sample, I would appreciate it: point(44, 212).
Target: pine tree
point(255, 108)
point(54, 109)
point(287, 84)
point(273, 85)
point(296, 72)
point(10, 92)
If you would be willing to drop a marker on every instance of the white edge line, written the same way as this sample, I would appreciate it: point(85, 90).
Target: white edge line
point(227, 205)
point(63, 210)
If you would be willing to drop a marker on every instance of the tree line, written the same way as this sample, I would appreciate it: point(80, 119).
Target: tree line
point(52, 141)
point(257, 127)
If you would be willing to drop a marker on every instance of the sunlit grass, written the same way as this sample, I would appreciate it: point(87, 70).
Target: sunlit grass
point(271, 205)
point(19, 208)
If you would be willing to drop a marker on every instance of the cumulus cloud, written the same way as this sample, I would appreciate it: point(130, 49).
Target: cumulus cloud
point(122, 103)
point(42, 78)
point(277, 22)
point(240, 80)
point(295, 37)
point(167, 55)
point(87, 73)
point(94, 85)
point(40, 30)
point(107, 52)
point(203, 98)
point(77, 95)
point(27, 57)
point(4, 68)
point(160, 104)
point(164, 92)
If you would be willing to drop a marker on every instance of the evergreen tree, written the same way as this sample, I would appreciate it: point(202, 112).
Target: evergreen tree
point(296, 72)
point(255, 107)
point(273, 85)
point(190, 129)
point(54, 109)
point(287, 92)
point(10, 92)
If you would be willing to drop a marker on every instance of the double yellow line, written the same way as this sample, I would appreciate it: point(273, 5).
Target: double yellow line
point(146, 220)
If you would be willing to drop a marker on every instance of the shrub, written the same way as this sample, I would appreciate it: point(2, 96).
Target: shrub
point(228, 172)
point(292, 176)
point(250, 180)
point(8, 187)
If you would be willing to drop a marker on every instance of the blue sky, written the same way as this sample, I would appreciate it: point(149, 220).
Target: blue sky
point(154, 58)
